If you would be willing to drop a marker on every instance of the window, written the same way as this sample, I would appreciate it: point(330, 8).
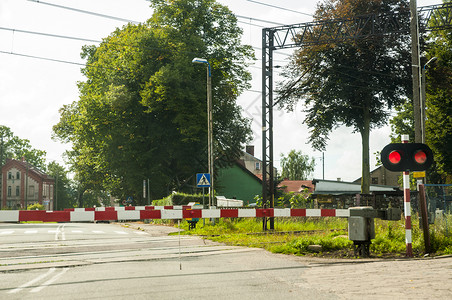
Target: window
point(31, 190)
point(17, 191)
point(18, 175)
point(44, 190)
point(374, 180)
point(9, 191)
point(10, 175)
point(258, 165)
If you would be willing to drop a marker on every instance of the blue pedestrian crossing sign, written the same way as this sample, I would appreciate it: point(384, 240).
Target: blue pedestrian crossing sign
point(203, 180)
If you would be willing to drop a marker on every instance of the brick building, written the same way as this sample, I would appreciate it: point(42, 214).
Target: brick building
point(23, 184)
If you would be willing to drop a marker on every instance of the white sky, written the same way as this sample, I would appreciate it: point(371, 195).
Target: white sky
point(33, 90)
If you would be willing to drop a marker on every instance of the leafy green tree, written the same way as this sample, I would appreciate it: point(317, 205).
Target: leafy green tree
point(64, 194)
point(13, 147)
point(351, 82)
point(438, 107)
point(142, 110)
point(296, 166)
point(402, 122)
point(439, 103)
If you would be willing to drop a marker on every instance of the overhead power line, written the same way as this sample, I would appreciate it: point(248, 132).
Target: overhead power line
point(259, 20)
point(50, 35)
point(279, 7)
point(136, 22)
point(86, 12)
point(44, 58)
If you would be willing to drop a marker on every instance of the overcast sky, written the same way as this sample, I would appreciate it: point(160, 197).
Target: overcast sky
point(32, 90)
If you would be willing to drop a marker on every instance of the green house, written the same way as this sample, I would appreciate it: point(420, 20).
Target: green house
point(237, 182)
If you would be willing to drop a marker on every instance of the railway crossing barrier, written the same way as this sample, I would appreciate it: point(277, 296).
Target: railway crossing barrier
point(135, 213)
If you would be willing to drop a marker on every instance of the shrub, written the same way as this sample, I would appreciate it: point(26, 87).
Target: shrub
point(36, 206)
point(181, 199)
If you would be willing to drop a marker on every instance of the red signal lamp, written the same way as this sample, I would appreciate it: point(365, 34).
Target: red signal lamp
point(400, 157)
point(420, 157)
point(395, 157)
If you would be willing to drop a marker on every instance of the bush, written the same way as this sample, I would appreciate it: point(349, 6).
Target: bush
point(180, 199)
point(36, 206)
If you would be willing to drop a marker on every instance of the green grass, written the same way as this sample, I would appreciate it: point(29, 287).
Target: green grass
point(294, 235)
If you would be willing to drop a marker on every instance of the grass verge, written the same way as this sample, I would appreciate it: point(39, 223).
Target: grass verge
point(296, 235)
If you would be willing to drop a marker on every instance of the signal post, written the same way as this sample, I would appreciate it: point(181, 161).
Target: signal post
point(405, 157)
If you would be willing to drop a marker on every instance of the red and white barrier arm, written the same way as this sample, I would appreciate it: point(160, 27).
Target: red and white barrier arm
point(164, 214)
point(121, 208)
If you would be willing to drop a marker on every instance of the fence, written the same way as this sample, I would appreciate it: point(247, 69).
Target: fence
point(439, 202)
point(439, 198)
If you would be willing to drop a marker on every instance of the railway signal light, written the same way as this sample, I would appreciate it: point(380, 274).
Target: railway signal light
point(400, 157)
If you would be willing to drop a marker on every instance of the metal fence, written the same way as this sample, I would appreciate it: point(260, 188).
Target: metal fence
point(439, 198)
point(439, 202)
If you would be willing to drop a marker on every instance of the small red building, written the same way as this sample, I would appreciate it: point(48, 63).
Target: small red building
point(23, 184)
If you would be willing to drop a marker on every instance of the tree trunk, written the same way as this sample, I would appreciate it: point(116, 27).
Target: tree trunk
point(365, 135)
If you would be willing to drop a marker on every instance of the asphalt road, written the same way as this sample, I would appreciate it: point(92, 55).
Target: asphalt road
point(110, 261)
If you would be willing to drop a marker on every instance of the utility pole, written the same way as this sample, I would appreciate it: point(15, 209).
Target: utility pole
point(415, 67)
point(1, 171)
point(56, 190)
point(149, 193)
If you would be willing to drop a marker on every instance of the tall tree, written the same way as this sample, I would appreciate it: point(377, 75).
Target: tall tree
point(64, 194)
point(11, 146)
point(402, 122)
point(439, 102)
point(351, 82)
point(142, 110)
point(296, 166)
point(438, 121)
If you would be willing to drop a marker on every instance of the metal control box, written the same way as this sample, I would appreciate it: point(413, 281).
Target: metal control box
point(361, 227)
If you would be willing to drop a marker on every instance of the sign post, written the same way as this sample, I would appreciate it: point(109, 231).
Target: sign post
point(407, 207)
point(203, 181)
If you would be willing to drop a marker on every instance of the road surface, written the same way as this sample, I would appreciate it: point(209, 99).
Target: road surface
point(111, 261)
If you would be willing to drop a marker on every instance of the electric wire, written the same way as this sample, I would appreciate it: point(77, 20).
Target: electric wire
point(136, 22)
point(115, 18)
point(279, 7)
point(86, 12)
point(43, 58)
point(50, 35)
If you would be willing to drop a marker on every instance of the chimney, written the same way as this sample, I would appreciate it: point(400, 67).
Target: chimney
point(250, 149)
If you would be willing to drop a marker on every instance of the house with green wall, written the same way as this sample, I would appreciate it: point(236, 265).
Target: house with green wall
point(237, 182)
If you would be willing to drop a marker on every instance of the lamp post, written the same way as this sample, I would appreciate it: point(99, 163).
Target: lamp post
point(209, 126)
point(423, 98)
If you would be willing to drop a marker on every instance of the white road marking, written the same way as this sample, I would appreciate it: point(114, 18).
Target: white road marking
point(140, 232)
point(31, 231)
point(49, 282)
point(7, 232)
point(27, 284)
point(121, 232)
point(98, 231)
point(77, 231)
point(60, 230)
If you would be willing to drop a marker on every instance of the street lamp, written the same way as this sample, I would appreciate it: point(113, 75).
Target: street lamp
point(209, 125)
point(423, 98)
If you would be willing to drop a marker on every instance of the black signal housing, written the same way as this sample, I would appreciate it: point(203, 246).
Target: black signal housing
point(400, 157)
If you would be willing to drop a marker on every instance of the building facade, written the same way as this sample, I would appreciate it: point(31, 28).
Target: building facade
point(23, 184)
point(382, 176)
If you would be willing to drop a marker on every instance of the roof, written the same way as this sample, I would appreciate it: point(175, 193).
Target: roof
point(26, 166)
point(296, 186)
point(332, 187)
point(241, 165)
